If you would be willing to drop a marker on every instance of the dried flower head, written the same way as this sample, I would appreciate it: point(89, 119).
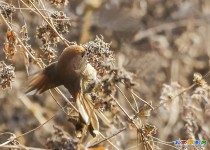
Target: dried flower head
point(61, 22)
point(99, 55)
point(169, 92)
point(198, 79)
point(59, 2)
point(10, 45)
point(47, 34)
point(49, 53)
point(24, 34)
point(7, 10)
point(7, 75)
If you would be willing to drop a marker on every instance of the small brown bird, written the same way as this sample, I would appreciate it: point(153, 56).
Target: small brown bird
point(74, 72)
point(66, 71)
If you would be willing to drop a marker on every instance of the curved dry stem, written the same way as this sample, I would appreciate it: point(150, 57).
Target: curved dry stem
point(126, 98)
point(142, 100)
point(36, 127)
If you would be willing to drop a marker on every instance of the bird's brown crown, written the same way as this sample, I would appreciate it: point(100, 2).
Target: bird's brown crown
point(76, 48)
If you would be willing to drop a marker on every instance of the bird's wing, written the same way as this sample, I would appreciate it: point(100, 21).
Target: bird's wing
point(44, 80)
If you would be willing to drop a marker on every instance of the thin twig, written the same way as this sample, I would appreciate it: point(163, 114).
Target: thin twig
point(62, 108)
point(126, 98)
point(109, 141)
point(142, 99)
point(35, 128)
point(107, 138)
point(66, 99)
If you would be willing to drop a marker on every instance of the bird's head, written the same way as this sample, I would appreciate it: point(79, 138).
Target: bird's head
point(72, 58)
point(75, 50)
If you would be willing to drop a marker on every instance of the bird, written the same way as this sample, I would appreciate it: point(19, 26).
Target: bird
point(74, 72)
point(66, 71)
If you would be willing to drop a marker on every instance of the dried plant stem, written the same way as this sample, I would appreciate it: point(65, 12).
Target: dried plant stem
point(124, 111)
point(134, 99)
point(39, 12)
point(142, 99)
point(166, 144)
point(36, 127)
point(107, 138)
point(5, 143)
point(62, 108)
point(185, 90)
point(109, 141)
point(48, 16)
point(163, 143)
point(126, 98)
point(66, 99)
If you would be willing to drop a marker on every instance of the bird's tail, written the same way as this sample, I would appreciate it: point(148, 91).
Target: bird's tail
point(43, 80)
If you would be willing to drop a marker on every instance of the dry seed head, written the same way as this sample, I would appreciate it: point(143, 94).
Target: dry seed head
point(7, 10)
point(7, 75)
point(49, 53)
point(24, 34)
point(46, 33)
point(99, 55)
point(10, 45)
point(61, 22)
point(198, 79)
